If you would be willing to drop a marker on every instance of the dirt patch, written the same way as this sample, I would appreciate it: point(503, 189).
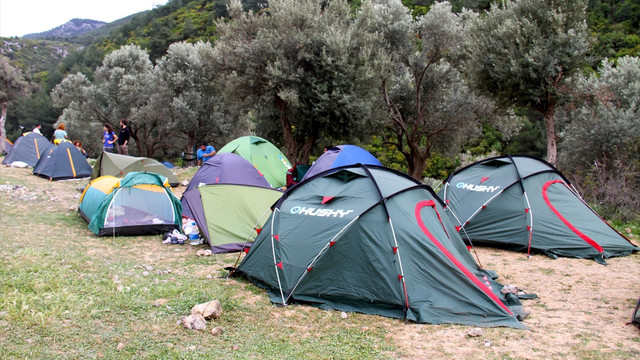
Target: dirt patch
point(583, 308)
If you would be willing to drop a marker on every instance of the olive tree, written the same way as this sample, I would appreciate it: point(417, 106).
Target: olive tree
point(523, 53)
point(431, 106)
point(303, 69)
point(194, 106)
point(123, 87)
point(601, 142)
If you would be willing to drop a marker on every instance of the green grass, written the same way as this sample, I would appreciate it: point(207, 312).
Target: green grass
point(68, 294)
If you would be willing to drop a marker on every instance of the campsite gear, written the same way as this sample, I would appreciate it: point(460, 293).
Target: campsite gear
point(369, 239)
point(341, 155)
point(63, 162)
point(229, 214)
point(139, 203)
point(120, 165)
point(265, 156)
point(225, 168)
point(525, 204)
point(28, 148)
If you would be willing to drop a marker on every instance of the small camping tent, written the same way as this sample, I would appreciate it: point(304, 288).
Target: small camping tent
point(372, 240)
point(28, 148)
point(229, 214)
point(525, 204)
point(341, 155)
point(7, 145)
point(62, 162)
point(265, 156)
point(139, 203)
point(224, 168)
point(120, 165)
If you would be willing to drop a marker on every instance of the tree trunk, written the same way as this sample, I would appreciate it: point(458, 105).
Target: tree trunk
point(3, 133)
point(289, 140)
point(549, 122)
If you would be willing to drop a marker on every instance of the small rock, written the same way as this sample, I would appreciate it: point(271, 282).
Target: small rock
point(120, 288)
point(216, 331)
point(194, 322)
point(509, 289)
point(120, 346)
point(475, 332)
point(208, 252)
point(209, 276)
point(211, 309)
point(235, 348)
point(344, 315)
point(184, 183)
point(487, 343)
point(145, 273)
point(147, 267)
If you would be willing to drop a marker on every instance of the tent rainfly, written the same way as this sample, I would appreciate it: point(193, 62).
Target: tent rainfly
point(140, 203)
point(63, 162)
point(372, 240)
point(341, 155)
point(28, 148)
point(120, 165)
point(525, 204)
point(265, 156)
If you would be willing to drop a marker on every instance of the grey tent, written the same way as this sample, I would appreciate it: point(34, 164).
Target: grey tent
point(28, 148)
point(120, 165)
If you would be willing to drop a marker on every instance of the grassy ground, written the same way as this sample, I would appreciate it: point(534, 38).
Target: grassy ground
point(67, 294)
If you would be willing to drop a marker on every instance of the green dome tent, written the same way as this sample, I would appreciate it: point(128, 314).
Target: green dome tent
point(525, 204)
point(372, 240)
point(139, 203)
point(265, 156)
point(228, 215)
point(120, 165)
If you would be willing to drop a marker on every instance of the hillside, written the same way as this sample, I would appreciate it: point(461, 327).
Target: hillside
point(71, 29)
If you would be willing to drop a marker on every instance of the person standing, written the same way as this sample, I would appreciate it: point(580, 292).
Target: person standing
point(108, 138)
point(123, 138)
point(60, 134)
point(37, 129)
point(205, 151)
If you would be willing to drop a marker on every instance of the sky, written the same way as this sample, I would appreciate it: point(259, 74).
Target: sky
point(22, 17)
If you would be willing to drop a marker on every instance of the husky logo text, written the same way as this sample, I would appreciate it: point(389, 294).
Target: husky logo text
point(478, 188)
point(301, 210)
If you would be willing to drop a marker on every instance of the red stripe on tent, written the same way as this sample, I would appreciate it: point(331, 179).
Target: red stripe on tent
point(309, 268)
point(326, 199)
point(331, 243)
point(484, 179)
point(458, 228)
point(565, 221)
point(277, 237)
point(218, 178)
point(526, 211)
point(258, 230)
point(484, 207)
point(246, 250)
point(455, 261)
point(395, 250)
point(279, 265)
point(469, 247)
point(400, 276)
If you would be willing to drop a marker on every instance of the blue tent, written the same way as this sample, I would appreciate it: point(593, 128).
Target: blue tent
point(341, 155)
point(28, 148)
point(63, 162)
point(224, 168)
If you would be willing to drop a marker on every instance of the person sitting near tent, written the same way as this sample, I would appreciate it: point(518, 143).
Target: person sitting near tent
point(37, 129)
point(78, 145)
point(205, 151)
point(59, 135)
point(108, 138)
